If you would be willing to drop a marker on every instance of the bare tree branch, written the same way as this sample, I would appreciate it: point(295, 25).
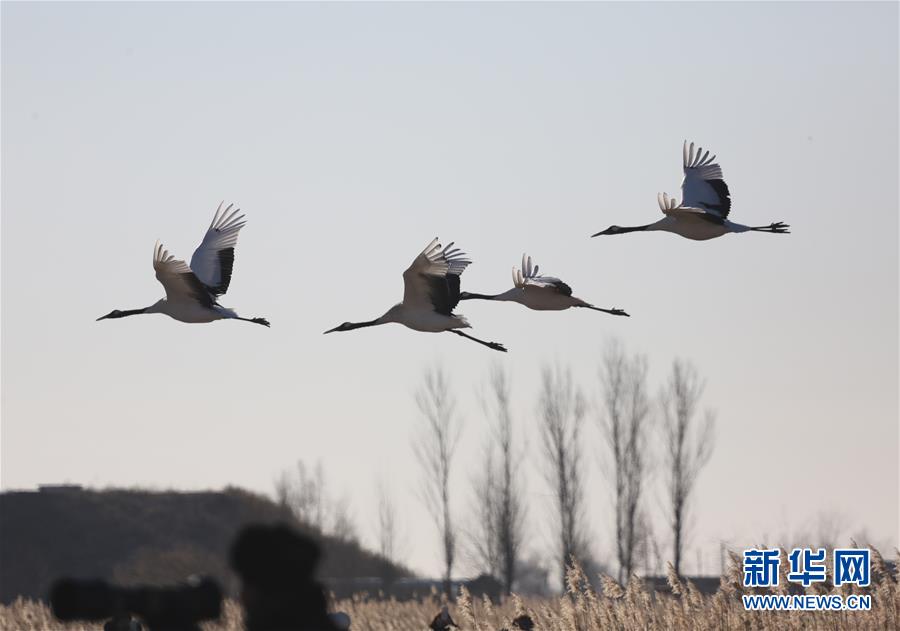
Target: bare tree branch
point(624, 421)
point(688, 446)
point(434, 449)
point(498, 535)
point(484, 534)
point(561, 412)
point(304, 492)
point(388, 528)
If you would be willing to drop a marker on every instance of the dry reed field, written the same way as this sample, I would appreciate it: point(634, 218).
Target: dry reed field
point(626, 608)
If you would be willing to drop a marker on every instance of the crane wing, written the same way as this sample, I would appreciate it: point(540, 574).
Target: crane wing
point(670, 207)
point(703, 185)
point(529, 277)
point(180, 283)
point(213, 259)
point(432, 281)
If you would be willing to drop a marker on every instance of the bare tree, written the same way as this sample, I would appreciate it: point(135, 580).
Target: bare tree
point(342, 525)
point(305, 494)
point(647, 552)
point(484, 533)
point(434, 449)
point(687, 444)
point(283, 489)
point(387, 522)
point(500, 509)
point(624, 421)
point(831, 526)
point(388, 527)
point(561, 416)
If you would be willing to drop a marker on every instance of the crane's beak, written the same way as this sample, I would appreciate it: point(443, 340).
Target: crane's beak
point(101, 318)
point(332, 330)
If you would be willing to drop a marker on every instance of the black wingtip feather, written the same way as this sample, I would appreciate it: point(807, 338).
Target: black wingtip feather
point(563, 288)
point(226, 265)
point(444, 292)
point(200, 292)
point(721, 189)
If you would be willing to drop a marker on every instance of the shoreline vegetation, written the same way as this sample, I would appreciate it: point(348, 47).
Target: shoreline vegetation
point(581, 608)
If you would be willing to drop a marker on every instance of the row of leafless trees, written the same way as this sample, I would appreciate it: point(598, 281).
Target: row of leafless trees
point(629, 419)
point(663, 435)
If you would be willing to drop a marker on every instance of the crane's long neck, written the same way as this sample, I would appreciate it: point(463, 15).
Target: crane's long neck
point(506, 295)
point(349, 326)
point(473, 296)
point(118, 313)
point(359, 325)
point(658, 225)
point(158, 307)
point(649, 226)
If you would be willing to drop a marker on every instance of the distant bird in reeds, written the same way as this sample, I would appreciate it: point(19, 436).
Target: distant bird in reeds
point(192, 292)
point(705, 205)
point(541, 293)
point(340, 619)
point(431, 292)
point(442, 621)
point(523, 622)
point(123, 622)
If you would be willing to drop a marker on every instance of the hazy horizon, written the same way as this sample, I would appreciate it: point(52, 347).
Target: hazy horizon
point(351, 135)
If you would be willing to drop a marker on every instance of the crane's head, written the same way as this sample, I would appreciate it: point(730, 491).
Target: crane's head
point(621, 230)
point(117, 313)
point(610, 230)
point(346, 326)
point(349, 326)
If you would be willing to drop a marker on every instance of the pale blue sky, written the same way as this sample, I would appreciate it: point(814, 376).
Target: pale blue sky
point(351, 135)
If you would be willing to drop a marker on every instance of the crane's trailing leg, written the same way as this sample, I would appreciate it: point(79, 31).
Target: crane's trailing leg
point(613, 311)
point(493, 345)
point(776, 228)
point(261, 321)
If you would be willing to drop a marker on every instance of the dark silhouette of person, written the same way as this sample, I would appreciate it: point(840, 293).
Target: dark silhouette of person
point(279, 592)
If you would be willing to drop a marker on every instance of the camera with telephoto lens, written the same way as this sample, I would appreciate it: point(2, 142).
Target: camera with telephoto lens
point(172, 608)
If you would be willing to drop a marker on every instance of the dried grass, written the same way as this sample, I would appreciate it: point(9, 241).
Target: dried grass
point(623, 608)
